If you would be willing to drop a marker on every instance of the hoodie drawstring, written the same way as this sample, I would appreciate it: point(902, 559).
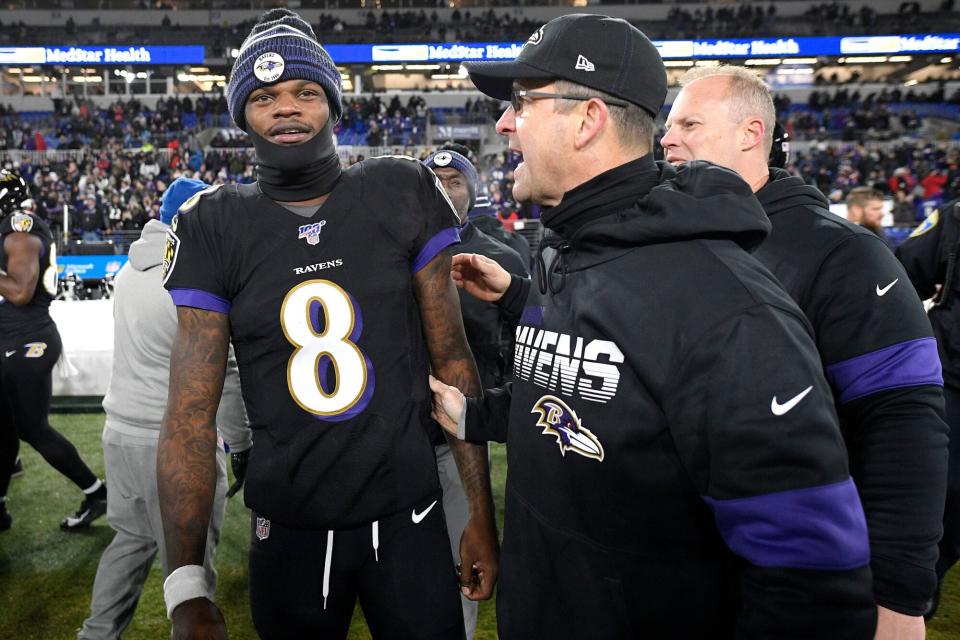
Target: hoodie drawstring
point(545, 275)
point(375, 530)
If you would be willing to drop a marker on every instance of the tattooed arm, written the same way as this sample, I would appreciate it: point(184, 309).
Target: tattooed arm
point(453, 363)
point(186, 456)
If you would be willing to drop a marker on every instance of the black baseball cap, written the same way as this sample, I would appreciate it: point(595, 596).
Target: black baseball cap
point(600, 52)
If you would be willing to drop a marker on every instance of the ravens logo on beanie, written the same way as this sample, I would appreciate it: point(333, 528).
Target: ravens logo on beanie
point(281, 46)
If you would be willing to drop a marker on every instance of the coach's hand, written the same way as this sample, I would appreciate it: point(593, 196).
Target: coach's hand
point(480, 558)
point(448, 404)
point(897, 626)
point(479, 276)
point(198, 619)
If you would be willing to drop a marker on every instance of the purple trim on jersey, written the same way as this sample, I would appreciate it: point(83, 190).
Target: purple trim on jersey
point(364, 400)
point(200, 300)
point(815, 528)
point(907, 364)
point(323, 366)
point(532, 316)
point(436, 244)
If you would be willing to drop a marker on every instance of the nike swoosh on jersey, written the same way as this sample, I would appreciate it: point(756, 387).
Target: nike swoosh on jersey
point(780, 409)
point(9, 353)
point(881, 292)
point(417, 517)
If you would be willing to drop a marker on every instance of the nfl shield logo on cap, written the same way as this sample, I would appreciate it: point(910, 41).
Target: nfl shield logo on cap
point(263, 528)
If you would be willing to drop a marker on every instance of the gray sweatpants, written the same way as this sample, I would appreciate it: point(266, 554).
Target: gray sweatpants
point(133, 511)
point(457, 512)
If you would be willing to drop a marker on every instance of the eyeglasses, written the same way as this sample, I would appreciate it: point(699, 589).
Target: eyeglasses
point(517, 96)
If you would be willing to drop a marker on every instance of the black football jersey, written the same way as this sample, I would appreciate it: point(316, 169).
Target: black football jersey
point(15, 320)
point(327, 335)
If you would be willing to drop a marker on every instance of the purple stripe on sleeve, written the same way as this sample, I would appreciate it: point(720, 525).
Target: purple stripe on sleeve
point(200, 300)
point(436, 244)
point(815, 528)
point(907, 364)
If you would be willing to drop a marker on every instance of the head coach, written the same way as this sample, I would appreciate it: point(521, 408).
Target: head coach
point(675, 464)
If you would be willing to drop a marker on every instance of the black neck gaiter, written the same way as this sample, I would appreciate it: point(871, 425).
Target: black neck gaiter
point(296, 173)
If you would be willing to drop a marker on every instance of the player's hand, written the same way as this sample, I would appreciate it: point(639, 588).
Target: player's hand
point(238, 462)
point(897, 626)
point(448, 404)
point(480, 558)
point(480, 276)
point(198, 619)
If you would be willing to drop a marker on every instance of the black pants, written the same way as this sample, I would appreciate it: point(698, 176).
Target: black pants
point(26, 383)
point(406, 585)
point(950, 542)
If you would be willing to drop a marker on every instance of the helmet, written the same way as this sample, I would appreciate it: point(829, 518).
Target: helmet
point(13, 191)
point(780, 151)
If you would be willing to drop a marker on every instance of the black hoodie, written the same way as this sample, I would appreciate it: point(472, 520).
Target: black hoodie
point(675, 465)
point(881, 360)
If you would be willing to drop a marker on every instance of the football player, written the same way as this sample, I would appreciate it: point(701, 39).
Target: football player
point(484, 322)
point(335, 289)
point(31, 346)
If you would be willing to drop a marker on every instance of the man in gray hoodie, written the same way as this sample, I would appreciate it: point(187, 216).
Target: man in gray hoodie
point(145, 323)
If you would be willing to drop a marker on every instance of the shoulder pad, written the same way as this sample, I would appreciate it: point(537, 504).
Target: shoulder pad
point(22, 222)
point(930, 222)
point(192, 201)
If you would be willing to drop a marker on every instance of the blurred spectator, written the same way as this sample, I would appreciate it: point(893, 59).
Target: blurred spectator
point(865, 207)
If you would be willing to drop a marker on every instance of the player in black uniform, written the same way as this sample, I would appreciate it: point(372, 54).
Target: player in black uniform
point(335, 289)
point(485, 327)
point(31, 346)
point(930, 257)
point(482, 320)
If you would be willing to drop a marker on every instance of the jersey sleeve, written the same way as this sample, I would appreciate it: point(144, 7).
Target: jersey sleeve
point(438, 225)
point(922, 254)
point(756, 429)
point(881, 360)
point(192, 260)
point(25, 223)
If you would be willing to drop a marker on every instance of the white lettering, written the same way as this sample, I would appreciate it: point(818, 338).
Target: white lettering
point(544, 358)
point(319, 266)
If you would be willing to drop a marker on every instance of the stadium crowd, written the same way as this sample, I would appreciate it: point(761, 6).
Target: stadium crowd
point(141, 150)
point(112, 169)
point(391, 23)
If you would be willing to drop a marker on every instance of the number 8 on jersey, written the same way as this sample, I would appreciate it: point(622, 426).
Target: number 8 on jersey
point(321, 321)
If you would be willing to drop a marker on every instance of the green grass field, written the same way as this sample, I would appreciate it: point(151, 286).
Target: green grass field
point(46, 575)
